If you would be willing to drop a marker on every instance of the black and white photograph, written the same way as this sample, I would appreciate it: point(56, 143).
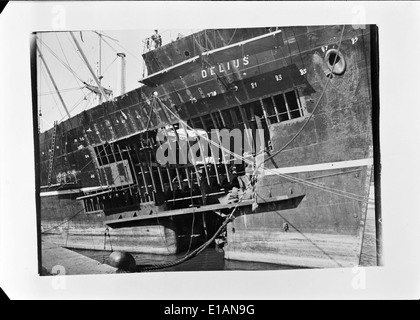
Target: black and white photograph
point(252, 147)
point(172, 143)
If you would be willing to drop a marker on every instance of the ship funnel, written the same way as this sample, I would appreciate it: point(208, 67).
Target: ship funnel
point(121, 74)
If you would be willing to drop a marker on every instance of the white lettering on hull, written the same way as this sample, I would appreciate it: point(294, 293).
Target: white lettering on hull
point(225, 66)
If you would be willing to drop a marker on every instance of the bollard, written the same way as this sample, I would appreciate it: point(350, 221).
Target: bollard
point(123, 261)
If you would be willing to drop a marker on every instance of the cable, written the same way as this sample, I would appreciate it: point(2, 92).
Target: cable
point(75, 48)
point(65, 221)
point(343, 193)
point(297, 44)
point(230, 38)
point(76, 105)
point(49, 87)
point(288, 45)
point(135, 56)
point(61, 61)
point(65, 57)
point(103, 73)
point(61, 91)
point(198, 250)
point(112, 48)
point(192, 232)
point(313, 111)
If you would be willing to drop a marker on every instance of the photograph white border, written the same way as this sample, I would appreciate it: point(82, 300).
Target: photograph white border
point(399, 48)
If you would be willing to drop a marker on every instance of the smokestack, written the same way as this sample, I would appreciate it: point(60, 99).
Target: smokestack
point(121, 74)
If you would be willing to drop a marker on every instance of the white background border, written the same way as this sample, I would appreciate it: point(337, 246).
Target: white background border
point(399, 68)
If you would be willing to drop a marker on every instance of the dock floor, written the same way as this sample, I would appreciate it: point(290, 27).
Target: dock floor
point(73, 263)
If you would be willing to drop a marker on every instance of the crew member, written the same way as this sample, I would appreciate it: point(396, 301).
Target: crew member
point(157, 39)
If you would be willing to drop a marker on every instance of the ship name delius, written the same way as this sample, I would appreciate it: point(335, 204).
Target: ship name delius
point(225, 66)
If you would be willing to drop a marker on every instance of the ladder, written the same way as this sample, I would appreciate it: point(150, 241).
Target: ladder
point(50, 165)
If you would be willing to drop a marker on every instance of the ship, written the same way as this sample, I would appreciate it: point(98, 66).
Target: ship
point(296, 190)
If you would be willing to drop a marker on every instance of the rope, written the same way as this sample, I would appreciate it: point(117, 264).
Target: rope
point(68, 228)
point(74, 47)
point(75, 106)
point(192, 231)
point(344, 193)
point(135, 56)
point(65, 221)
point(149, 118)
point(65, 57)
point(198, 250)
point(63, 90)
point(230, 40)
point(331, 190)
point(103, 73)
point(109, 236)
point(231, 37)
point(49, 87)
point(61, 61)
point(201, 248)
point(217, 233)
point(300, 53)
point(288, 46)
point(112, 48)
point(313, 111)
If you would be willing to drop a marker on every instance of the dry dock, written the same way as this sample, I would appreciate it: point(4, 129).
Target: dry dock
point(58, 260)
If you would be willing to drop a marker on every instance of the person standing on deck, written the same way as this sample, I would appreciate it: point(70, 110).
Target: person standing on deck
point(157, 39)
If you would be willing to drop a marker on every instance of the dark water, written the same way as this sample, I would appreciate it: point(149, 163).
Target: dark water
point(208, 260)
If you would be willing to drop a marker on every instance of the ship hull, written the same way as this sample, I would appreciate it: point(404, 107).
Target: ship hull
point(65, 223)
point(333, 157)
point(323, 230)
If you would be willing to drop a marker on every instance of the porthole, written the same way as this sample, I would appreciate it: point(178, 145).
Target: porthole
point(340, 63)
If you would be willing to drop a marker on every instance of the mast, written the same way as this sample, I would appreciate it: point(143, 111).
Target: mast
point(99, 64)
point(53, 81)
point(89, 67)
